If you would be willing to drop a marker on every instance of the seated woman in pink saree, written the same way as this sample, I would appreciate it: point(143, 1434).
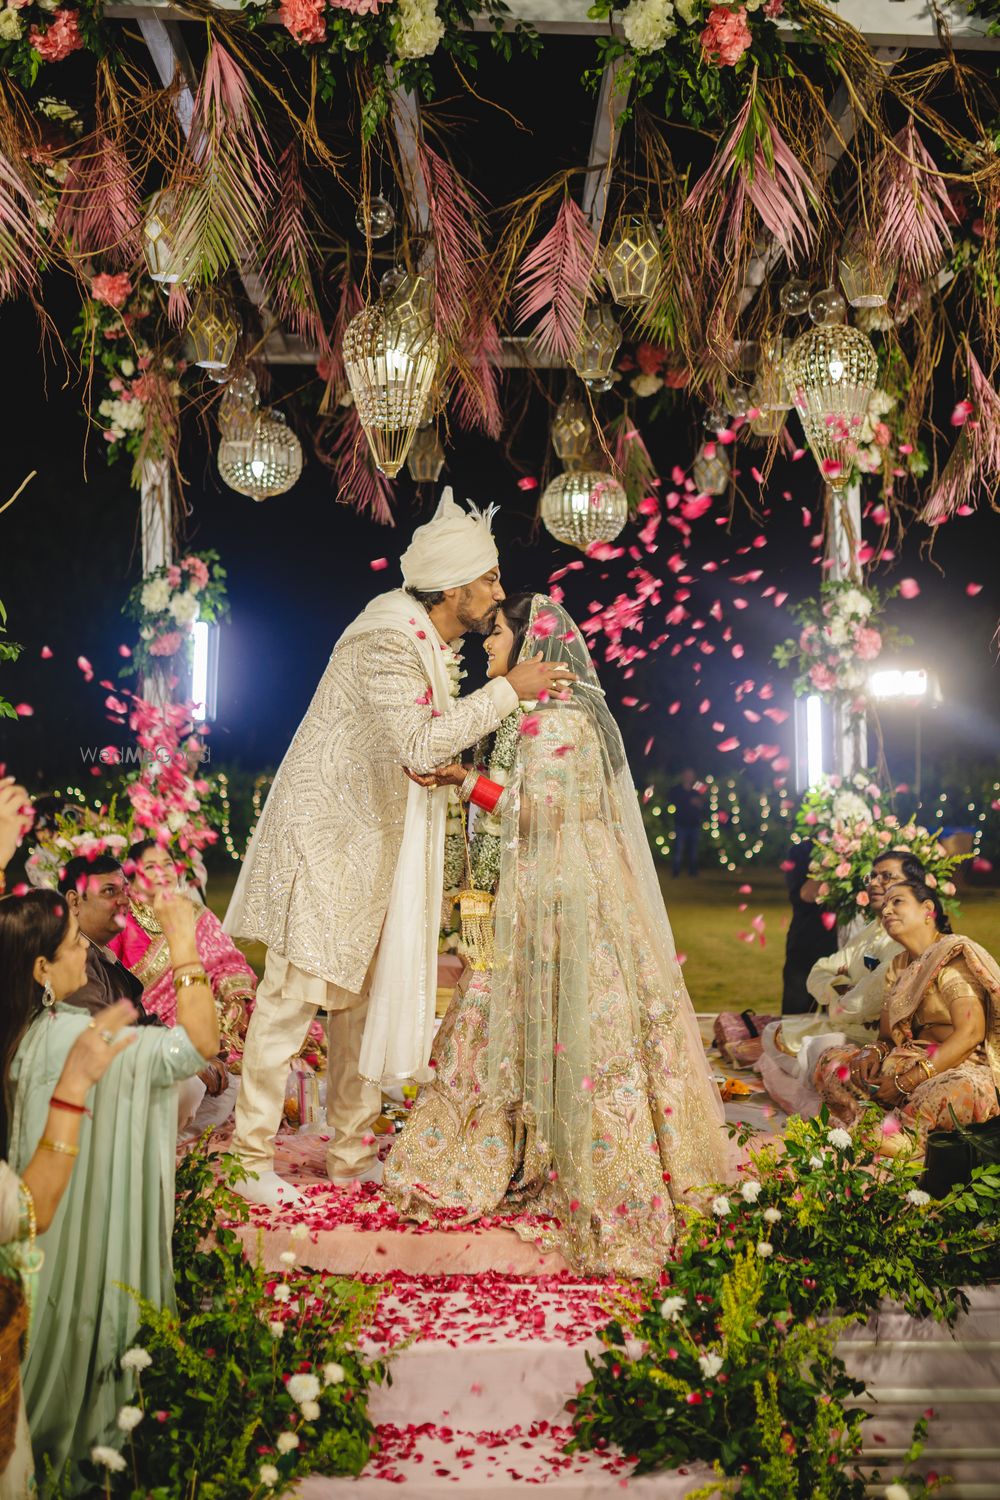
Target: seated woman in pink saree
point(936, 1062)
point(142, 948)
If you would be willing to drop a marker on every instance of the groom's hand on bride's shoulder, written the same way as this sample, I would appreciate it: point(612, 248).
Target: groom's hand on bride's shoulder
point(530, 679)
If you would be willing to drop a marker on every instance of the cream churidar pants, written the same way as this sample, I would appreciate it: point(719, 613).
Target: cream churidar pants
point(286, 1005)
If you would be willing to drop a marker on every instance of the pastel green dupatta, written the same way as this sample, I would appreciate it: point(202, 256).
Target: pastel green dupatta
point(111, 1230)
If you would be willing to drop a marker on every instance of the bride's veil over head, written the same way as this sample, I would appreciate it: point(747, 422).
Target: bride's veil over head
point(581, 924)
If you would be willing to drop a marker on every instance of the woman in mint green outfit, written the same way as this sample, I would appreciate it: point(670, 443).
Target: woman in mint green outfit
point(114, 1223)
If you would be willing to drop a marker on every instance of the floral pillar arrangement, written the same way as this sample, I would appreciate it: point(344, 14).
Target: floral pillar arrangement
point(165, 606)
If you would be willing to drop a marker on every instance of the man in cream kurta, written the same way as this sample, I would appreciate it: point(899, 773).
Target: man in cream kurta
point(329, 872)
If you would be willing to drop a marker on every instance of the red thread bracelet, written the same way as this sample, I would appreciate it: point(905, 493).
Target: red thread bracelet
point(73, 1109)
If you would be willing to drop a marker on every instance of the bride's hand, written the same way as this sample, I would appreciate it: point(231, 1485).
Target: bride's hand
point(452, 775)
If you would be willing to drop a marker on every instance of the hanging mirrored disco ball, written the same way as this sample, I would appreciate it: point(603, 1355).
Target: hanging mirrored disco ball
point(584, 507)
point(376, 218)
point(259, 454)
point(390, 355)
point(831, 372)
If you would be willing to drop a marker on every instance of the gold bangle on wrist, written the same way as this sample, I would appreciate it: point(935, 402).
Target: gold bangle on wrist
point(60, 1147)
point(927, 1066)
point(181, 981)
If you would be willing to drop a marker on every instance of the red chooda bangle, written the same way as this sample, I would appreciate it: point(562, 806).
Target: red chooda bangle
point(486, 794)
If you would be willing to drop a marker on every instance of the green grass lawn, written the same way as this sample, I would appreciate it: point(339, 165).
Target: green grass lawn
point(722, 971)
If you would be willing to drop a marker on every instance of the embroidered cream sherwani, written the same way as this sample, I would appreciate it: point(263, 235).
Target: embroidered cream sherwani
point(316, 880)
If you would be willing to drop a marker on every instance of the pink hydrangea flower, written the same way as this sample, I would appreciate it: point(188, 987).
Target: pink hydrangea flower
point(114, 290)
point(867, 643)
point(822, 678)
point(305, 19)
point(167, 644)
point(61, 38)
point(198, 572)
point(174, 576)
point(727, 35)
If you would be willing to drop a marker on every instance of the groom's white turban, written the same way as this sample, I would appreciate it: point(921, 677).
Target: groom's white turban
point(454, 548)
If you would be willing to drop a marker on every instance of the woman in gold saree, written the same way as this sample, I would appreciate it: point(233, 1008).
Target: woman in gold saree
point(937, 1058)
point(570, 1078)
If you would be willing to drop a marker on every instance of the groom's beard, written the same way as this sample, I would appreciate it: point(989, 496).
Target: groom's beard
point(479, 624)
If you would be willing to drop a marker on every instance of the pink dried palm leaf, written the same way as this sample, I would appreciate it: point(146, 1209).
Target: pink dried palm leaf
point(477, 392)
point(225, 196)
point(20, 245)
point(974, 463)
point(556, 279)
point(460, 258)
point(330, 366)
point(288, 268)
point(100, 209)
point(633, 462)
point(755, 164)
point(915, 214)
point(344, 448)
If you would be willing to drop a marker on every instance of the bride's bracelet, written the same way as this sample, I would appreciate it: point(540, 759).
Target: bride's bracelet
point(468, 785)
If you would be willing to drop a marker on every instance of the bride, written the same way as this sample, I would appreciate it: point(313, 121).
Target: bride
point(570, 1079)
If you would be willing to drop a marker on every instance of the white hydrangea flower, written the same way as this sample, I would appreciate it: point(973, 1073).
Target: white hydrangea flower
point(839, 631)
point(686, 9)
point(136, 1359)
point(286, 1442)
point(11, 27)
point(303, 1387)
point(764, 1249)
point(107, 1458)
point(645, 385)
point(671, 1308)
point(648, 23)
point(333, 1374)
point(129, 1418)
point(268, 1475)
point(771, 1215)
point(839, 1138)
point(155, 595)
point(854, 602)
point(710, 1364)
point(288, 1257)
point(123, 416)
point(420, 28)
point(720, 1206)
point(184, 608)
point(127, 368)
point(750, 1191)
point(848, 807)
point(918, 1197)
point(281, 1292)
point(310, 1410)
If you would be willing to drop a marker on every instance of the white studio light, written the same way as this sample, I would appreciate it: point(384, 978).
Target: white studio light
point(892, 682)
point(814, 739)
point(204, 670)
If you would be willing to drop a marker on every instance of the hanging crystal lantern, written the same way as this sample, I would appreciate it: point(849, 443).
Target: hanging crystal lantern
point(711, 471)
point(259, 454)
point(159, 234)
point(425, 459)
point(572, 432)
point(794, 298)
point(584, 507)
point(375, 218)
point(213, 330)
point(390, 355)
point(831, 373)
point(769, 394)
point(866, 275)
point(633, 261)
point(600, 340)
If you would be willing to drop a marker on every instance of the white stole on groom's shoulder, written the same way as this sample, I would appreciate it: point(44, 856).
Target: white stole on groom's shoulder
point(399, 1026)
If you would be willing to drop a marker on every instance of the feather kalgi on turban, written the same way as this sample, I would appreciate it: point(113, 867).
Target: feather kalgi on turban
point(454, 548)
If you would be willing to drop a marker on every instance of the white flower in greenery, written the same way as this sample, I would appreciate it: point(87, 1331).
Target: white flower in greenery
point(771, 1215)
point(268, 1475)
point(918, 1197)
point(129, 1418)
point(127, 368)
point(11, 27)
point(848, 807)
point(155, 596)
point(686, 9)
point(671, 1308)
point(310, 1410)
point(287, 1441)
point(420, 28)
point(721, 1207)
point(648, 23)
point(333, 1374)
point(288, 1257)
point(839, 1138)
point(710, 1364)
point(107, 1458)
point(750, 1191)
point(896, 1492)
point(303, 1388)
point(282, 1292)
point(815, 1161)
point(854, 602)
point(184, 608)
point(136, 1359)
point(645, 385)
point(276, 1328)
point(764, 1249)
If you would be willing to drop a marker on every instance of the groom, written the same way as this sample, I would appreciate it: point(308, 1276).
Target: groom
point(343, 877)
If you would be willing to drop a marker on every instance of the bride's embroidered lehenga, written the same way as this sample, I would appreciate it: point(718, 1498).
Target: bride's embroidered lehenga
point(570, 1080)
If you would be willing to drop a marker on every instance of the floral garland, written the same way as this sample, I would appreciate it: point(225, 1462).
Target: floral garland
point(485, 847)
point(36, 32)
point(849, 831)
point(170, 799)
point(84, 831)
point(165, 606)
point(842, 634)
point(734, 1362)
